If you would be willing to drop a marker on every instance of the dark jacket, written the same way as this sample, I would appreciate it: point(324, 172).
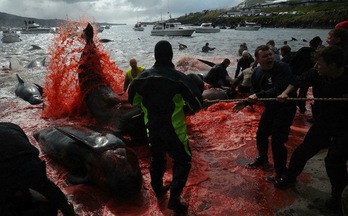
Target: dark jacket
point(331, 114)
point(271, 83)
point(243, 63)
point(302, 61)
point(217, 76)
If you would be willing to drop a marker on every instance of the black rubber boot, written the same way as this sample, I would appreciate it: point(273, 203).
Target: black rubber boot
point(259, 161)
point(156, 172)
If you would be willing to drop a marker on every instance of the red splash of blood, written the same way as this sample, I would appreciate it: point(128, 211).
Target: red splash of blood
point(62, 95)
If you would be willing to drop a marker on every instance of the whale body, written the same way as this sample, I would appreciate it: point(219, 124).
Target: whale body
point(93, 155)
point(30, 92)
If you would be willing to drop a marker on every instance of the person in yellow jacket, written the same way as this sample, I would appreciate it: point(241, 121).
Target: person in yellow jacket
point(132, 73)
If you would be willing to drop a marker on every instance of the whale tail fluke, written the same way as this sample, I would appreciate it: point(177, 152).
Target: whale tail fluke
point(88, 32)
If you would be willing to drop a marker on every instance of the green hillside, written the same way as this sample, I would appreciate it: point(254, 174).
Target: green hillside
point(324, 15)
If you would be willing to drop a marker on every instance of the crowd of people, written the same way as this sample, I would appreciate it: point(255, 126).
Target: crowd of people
point(166, 96)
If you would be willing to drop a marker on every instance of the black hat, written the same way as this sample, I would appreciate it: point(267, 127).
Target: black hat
point(163, 51)
point(315, 42)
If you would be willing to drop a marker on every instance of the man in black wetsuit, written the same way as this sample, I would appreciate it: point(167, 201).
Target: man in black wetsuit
point(218, 77)
point(21, 170)
point(269, 80)
point(165, 95)
point(329, 128)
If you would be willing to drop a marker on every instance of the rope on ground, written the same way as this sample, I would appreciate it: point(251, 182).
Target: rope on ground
point(274, 99)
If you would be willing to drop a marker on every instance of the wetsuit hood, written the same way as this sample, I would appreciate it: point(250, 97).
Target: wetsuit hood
point(163, 53)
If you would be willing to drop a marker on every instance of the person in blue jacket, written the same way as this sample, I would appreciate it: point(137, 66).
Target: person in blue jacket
point(166, 95)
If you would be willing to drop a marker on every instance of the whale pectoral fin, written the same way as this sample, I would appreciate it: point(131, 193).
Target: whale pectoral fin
point(211, 64)
point(39, 88)
point(75, 179)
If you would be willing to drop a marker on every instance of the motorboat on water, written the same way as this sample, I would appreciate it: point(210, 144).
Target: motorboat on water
point(171, 29)
point(100, 28)
point(31, 27)
point(207, 28)
point(248, 26)
point(10, 36)
point(138, 27)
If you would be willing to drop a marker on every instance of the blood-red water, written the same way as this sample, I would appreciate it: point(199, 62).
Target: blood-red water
point(222, 143)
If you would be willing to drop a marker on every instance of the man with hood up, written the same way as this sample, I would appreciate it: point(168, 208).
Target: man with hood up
point(165, 95)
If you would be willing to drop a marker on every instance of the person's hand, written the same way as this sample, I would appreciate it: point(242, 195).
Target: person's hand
point(252, 98)
point(238, 106)
point(282, 97)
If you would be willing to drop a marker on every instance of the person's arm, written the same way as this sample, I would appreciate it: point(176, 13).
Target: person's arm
point(237, 81)
point(53, 194)
point(285, 94)
point(237, 70)
point(126, 83)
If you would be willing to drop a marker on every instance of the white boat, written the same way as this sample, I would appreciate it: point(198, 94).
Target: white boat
point(207, 28)
point(248, 26)
point(171, 29)
point(138, 27)
point(100, 28)
point(10, 36)
point(33, 28)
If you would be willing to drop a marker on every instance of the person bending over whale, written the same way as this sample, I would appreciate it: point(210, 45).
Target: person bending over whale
point(23, 175)
point(164, 93)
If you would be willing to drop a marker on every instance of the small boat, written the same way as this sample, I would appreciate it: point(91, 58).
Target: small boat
point(100, 28)
point(10, 36)
point(138, 27)
point(171, 29)
point(107, 27)
point(248, 26)
point(207, 28)
point(31, 27)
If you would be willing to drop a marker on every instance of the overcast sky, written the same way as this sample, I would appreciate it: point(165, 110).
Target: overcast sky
point(112, 11)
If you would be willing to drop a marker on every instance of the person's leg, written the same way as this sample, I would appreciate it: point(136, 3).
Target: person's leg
point(157, 166)
point(262, 134)
point(336, 168)
point(316, 139)
point(181, 169)
point(280, 131)
point(344, 201)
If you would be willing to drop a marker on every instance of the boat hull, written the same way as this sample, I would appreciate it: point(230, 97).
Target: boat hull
point(248, 28)
point(138, 29)
point(172, 32)
point(36, 31)
point(207, 30)
point(10, 39)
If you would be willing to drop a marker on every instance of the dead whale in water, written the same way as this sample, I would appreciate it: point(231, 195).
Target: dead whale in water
point(103, 103)
point(30, 92)
point(93, 155)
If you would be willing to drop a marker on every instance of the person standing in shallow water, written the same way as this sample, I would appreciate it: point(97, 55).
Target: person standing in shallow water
point(165, 95)
point(269, 80)
point(206, 48)
point(132, 73)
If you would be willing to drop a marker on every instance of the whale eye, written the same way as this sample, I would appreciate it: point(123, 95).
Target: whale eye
point(101, 140)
